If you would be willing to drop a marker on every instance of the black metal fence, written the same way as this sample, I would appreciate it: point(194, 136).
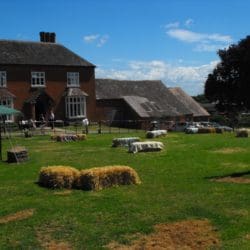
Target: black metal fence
point(30, 128)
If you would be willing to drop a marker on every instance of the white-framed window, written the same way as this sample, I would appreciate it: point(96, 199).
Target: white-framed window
point(3, 78)
point(73, 79)
point(75, 107)
point(8, 102)
point(38, 79)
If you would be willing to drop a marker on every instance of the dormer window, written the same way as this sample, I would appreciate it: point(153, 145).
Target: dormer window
point(73, 79)
point(3, 79)
point(38, 79)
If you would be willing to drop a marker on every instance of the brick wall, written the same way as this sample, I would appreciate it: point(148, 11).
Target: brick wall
point(19, 84)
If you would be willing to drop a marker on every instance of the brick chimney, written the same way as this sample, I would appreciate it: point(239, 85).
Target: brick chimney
point(47, 37)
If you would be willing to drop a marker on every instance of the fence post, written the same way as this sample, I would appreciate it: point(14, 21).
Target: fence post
point(100, 127)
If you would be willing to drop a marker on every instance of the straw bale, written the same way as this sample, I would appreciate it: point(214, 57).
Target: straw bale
point(206, 130)
point(219, 130)
point(109, 176)
point(53, 137)
point(81, 137)
point(58, 177)
point(156, 133)
point(242, 133)
point(69, 137)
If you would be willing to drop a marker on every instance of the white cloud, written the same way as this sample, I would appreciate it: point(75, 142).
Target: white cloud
point(185, 35)
point(90, 38)
point(204, 47)
point(192, 37)
point(202, 41)
point(98, 39)
point(190, 78)
point(172, 25)
point(103, 39)
point(189, 22)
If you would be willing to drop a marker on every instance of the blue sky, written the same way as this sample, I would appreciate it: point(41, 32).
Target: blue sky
point(171, 40)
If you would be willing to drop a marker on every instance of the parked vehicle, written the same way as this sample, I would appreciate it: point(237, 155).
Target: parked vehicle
point(191, 130)
point(181, 126)
point(225, 128)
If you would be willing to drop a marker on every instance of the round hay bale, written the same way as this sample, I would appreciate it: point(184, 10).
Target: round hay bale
point(58, 177)
point(109, 176)
point(242, 133)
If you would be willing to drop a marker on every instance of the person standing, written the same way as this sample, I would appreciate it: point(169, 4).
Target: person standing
point(52, 119)
point(85, 123)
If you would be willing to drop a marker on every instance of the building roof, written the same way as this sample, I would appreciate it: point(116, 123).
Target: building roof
point(140, 105)
point(147, 98)
point(39, 53)
point(75, 92)
point(196, 109)
point(4, 93)
point(36, 94)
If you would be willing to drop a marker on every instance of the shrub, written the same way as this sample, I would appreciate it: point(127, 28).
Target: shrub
point(58, 177)
point(206, 130)
point(242, 133)
point(99, 178)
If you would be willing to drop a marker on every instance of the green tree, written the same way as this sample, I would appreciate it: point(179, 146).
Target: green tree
point(201, 98)
point(229, 83)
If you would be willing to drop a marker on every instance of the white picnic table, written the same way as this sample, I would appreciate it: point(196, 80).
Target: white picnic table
point(125, 141)
point(146, 146)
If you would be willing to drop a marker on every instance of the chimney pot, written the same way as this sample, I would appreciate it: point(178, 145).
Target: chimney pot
point(47, 37)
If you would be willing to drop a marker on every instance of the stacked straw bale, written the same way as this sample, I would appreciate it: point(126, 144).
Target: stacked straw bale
point(209, 130)
point(81, 137)
point(58, 177)
point(242, 133)
point(109, 176)
point(68, 137)
point(90, 179)
point(219, 130)
point(156, 133)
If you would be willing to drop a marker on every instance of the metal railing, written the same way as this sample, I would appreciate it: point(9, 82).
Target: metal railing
point(94, 127)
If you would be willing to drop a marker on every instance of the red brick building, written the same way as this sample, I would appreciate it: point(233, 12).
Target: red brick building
point(37, 77)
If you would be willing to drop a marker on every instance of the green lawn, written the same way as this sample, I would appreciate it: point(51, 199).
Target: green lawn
point(175, 186)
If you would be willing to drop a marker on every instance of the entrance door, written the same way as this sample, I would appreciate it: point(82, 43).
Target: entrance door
point(42, 107)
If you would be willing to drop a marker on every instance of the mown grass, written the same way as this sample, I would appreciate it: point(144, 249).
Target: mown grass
point(175, 186)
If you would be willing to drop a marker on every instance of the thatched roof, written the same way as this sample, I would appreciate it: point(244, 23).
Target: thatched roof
point(196, 109)
point(38, 53)
point(146, 98)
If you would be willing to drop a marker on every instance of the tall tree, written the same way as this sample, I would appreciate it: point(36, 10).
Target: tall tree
point(229, 83)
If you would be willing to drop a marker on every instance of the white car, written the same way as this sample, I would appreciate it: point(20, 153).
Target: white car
point(191, 130)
